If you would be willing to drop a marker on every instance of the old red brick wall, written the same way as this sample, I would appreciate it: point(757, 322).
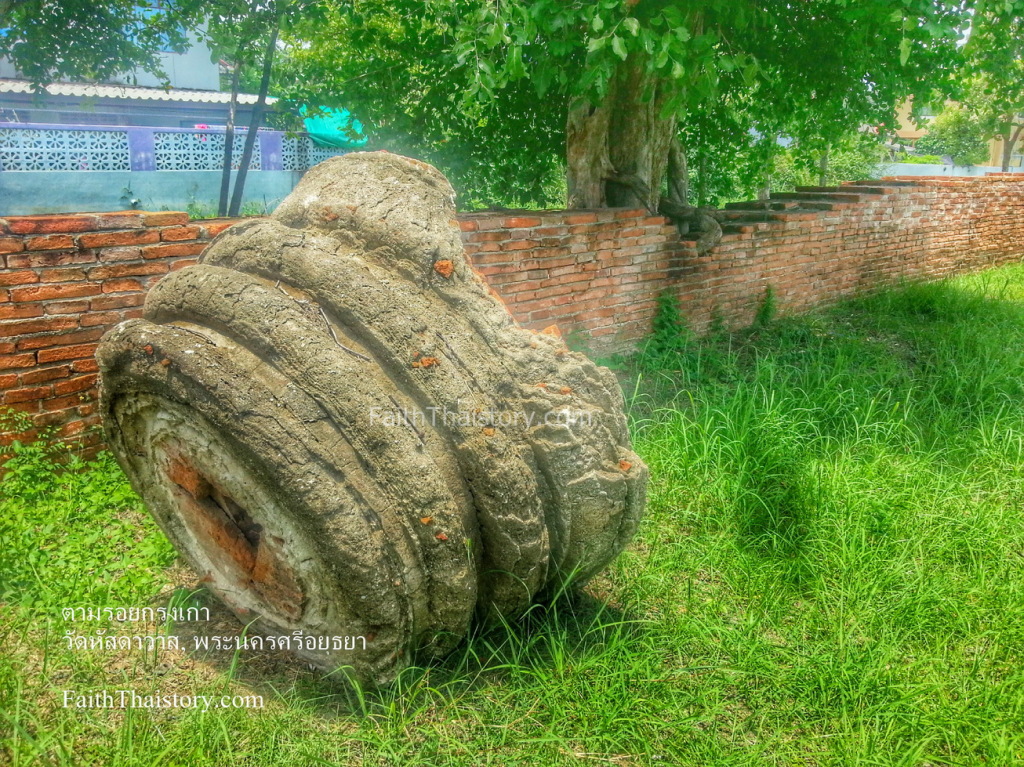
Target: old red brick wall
point(65, 280)
point(598, 273)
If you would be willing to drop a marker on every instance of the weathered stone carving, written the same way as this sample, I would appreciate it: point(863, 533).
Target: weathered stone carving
point(346, 434)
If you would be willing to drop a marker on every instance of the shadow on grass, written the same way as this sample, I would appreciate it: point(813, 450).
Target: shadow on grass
point(929, 371)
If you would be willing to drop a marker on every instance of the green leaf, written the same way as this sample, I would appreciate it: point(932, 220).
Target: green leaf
point(750, 72)
point(596, 44)
point(661, 59)
point(516, 69)
point(632, 25)
point(619, 47)
point(495, 37)
point(904, 51)
point(597, 24)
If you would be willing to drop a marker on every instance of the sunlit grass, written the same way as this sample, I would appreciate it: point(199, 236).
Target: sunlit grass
point(831, 571)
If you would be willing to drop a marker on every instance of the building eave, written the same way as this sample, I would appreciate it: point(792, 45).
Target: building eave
point(128, 92)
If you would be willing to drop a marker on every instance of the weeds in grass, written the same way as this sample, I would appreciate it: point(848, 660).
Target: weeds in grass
point(670, 334)
point(767, 309)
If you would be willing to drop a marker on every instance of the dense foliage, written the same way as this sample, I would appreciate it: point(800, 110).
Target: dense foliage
point(995, 59)
point(507, 97)
point(957, 134)
point(489, 91)
point(394, 67)
point(78, 39)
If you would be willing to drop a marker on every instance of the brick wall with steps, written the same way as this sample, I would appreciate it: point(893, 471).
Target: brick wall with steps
point(598, 273)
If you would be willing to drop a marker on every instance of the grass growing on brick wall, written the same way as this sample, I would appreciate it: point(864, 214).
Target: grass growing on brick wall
point(831, 571)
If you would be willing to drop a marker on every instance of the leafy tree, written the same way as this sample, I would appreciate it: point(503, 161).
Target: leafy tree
point(858, 157)
point(630, 73)
point(394, 67)
point(50, 41)
point(613, 86)
point(995, 58)
point(958, 134)
point(246, 33)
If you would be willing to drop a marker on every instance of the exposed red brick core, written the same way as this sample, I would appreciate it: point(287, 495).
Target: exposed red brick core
point(241, 550)
point(67, 279)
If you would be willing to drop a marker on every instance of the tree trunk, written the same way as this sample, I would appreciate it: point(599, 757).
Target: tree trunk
point(764, 192)
point(587, 161)
point(618, 150)
point(823, 169)
point(678, 174)
point(229, 139)
point(255, 120)
point(1009, 142)
point(702, 181)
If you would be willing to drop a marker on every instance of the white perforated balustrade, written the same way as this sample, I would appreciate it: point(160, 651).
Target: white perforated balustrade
point(199, 151)
point(26, 149)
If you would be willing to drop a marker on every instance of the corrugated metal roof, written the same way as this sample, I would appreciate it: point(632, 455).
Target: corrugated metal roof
point(89, 90)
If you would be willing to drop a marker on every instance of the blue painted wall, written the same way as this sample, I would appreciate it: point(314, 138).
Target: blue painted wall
point(914, 169)
point(31, 192)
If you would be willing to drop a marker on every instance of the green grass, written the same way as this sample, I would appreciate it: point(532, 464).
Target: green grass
point(831, 571)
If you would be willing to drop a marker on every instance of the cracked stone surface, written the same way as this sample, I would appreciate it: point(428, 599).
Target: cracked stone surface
point(343, 430)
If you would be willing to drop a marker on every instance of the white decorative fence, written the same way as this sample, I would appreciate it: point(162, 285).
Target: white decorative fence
point(41, 147)
point(30, 148)
point(178, 150)
point(300, 153)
